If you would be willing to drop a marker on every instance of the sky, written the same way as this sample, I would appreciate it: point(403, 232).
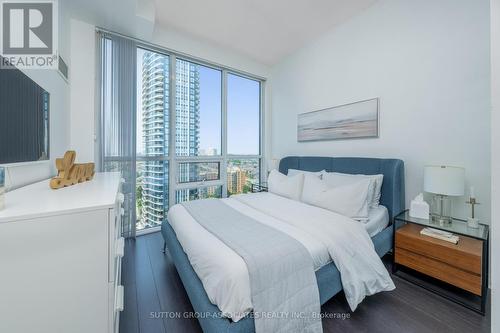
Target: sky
point(243, 112)
point(243, 119)
point(243, 103)
point(210, 106)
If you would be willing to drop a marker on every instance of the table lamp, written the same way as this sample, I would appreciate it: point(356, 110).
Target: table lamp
point(443, 181)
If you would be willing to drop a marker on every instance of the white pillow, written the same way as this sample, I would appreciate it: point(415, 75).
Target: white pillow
point(349, 199)
point(293, 172)
point(374, 192)
point(285, 186)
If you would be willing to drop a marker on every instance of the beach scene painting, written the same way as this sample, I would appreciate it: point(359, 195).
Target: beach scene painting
point(349, 121)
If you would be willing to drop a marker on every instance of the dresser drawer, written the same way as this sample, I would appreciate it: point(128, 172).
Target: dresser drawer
point(116, 305)
point(457, 264)
point(115, 232)
point(118, 260)
point(118, 222)
point(119, 305)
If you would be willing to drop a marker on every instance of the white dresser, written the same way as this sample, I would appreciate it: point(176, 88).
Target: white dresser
point(60, 258)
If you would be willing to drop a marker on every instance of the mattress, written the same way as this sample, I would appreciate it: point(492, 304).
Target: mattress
point(228, 289)
point(378, 219)
point(224, 274)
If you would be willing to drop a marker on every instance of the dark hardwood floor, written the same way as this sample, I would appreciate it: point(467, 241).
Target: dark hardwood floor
point(153, 290)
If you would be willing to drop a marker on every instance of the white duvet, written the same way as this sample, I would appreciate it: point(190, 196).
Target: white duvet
point(326, 235)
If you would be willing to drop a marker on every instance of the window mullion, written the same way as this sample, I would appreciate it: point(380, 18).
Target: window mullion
point(198, 185)
point(172, 165)
point(199, 158)
point(243, 157)
point(223, 171)
point(262, 152)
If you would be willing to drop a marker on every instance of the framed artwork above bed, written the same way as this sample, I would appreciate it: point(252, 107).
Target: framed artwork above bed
point(348, 121)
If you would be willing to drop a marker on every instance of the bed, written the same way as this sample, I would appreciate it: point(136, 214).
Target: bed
point(327, 276)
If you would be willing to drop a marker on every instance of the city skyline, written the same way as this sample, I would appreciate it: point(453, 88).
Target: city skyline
point(243, 104)
point(198, 132)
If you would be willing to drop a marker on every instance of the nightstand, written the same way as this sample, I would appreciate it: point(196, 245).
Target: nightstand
point(463, 265)
point(262, 187)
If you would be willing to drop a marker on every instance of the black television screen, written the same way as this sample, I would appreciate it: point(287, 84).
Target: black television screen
point(24, 118)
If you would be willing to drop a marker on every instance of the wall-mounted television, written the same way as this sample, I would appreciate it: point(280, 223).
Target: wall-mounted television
point(24, 118)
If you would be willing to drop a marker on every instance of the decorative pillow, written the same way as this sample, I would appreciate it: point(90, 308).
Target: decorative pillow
point(293, 172)
point(285, 186)
point(349, 199)
point(338, 179)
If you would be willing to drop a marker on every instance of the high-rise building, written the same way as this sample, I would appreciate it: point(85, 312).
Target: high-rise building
point(236, 180)
point(155, 123)
point(187, 127)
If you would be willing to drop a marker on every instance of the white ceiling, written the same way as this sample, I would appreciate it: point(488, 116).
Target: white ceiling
point(264, 30)
point(129, 17)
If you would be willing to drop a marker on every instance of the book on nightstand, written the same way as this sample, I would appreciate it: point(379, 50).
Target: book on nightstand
point(440, 234)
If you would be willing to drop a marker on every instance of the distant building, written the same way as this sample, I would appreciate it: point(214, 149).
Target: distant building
point(187, 127)
point(211, 151)
point(208, 152)
point(213, 192)
point(236, 180)
point(209, 174)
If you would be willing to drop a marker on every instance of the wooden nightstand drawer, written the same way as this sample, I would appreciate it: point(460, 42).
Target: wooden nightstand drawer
point(459, 264)
point(440, 270)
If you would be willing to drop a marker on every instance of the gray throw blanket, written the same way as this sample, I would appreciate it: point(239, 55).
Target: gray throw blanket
point(284, 290)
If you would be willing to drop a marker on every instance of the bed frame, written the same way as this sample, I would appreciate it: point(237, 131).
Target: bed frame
point(328, 277)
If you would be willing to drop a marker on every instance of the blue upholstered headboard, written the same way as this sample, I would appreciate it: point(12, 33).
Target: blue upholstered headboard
point(393, 186)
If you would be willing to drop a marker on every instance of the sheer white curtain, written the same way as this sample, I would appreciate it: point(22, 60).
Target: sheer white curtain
point(117, 121)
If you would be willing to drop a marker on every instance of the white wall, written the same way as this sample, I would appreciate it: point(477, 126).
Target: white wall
point(26, 173)
point(189, 45)
point(495, 165)
point(82, 73)
point(428, 61)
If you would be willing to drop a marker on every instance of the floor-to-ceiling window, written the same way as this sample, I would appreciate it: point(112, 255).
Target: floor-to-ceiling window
point(197, 131)
point(243, 133)
point(152, 137)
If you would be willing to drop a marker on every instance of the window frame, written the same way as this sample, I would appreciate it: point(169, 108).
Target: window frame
point(224, 157)
point(172, 159)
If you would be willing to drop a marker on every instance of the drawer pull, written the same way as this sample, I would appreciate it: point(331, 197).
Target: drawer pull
point(119, 299)
point(121, 198)
point(120, 247)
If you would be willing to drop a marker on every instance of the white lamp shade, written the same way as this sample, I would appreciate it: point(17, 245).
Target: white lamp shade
point(445, 180)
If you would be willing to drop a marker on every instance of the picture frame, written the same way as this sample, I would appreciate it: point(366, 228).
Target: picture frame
point(348, 121)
